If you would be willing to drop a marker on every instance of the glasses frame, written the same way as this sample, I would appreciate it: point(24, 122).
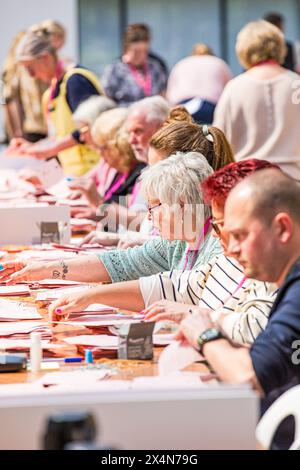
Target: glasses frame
point(151, 208)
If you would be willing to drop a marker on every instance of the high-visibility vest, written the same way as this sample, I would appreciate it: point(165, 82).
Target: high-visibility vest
point(79, 159)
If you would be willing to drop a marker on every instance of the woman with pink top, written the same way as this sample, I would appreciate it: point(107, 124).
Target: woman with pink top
point(197, 82)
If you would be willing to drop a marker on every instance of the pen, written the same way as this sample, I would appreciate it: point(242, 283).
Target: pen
point(63, 359)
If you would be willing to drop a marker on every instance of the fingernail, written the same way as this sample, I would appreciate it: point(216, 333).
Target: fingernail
point(58, 310)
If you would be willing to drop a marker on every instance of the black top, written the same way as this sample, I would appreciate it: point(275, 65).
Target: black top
point(79, 89)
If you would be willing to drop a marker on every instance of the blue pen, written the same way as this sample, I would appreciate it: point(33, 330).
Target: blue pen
point(63, 359)
point(69, 178)
point(1, 267)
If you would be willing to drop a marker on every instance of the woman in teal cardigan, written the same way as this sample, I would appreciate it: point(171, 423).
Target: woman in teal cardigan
point(180, 177)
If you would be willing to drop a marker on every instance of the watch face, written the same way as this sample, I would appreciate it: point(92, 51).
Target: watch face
point(211, 334)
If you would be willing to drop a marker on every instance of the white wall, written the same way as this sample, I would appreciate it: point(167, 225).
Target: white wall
point(17, 15)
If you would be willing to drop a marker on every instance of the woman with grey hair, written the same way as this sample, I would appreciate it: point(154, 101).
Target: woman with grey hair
point(172, 188)
point(67, 89)
point(177, 209)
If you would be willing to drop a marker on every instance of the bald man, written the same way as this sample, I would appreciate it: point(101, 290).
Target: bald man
point(262, 220)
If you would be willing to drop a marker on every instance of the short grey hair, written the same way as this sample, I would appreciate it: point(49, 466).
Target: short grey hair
point(90, 109)
point(177, 179)
point(155, 108)
point(33, 45)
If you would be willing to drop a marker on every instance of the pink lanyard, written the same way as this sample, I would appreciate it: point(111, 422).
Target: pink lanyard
point(58, 73)
point(144, 82)
point(203, 235)
point(238, 287)
point(119, 181)
point(134, 193)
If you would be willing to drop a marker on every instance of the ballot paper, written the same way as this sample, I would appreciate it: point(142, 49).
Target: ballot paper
point(53, 294)
point(11, 310)
point(73, 202)
point(176, 357)
point(55, 283)
point(108, 341)
point(99, 341)
point(16, 290)
point(92, 321)
point(22, 329)
point(73, 378)
point(82, 222)
point(50, 173)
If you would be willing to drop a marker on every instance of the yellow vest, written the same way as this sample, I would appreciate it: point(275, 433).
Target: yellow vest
point(79, 159)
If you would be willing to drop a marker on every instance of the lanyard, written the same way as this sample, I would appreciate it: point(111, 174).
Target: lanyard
point(203, 235)
point(58, 73)
point(118, 183)
point(144, 81)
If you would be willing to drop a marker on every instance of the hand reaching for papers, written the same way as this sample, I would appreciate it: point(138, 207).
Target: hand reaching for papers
point(62, 307)
point(167, 310)
point(87, 187)
point(193, 326)
point(9, 268)
point(82, 213)
point(101, 238)
point(16, 271)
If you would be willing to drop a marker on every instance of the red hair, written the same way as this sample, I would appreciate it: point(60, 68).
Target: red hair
point(217, 186)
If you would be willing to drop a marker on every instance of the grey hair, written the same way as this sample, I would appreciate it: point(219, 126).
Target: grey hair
point(33, 45)
point(155, 108)
point(177, 179)
point(90, 109)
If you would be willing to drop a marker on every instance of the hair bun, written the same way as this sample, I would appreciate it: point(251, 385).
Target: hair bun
point(179, 114)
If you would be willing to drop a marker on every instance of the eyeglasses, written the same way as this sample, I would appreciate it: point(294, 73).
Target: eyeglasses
point(217, 225)
point(151, 208)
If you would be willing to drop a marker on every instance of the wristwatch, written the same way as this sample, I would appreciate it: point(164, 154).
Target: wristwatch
point(211, 334)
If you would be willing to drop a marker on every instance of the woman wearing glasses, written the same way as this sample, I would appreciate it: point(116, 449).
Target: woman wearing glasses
point(174, 182)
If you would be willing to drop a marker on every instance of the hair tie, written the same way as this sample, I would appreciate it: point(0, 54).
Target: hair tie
point(206, 133)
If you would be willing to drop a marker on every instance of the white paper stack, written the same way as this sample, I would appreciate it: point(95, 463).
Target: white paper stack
point(11, 310)
point(22, 330)
point(53, 294)
point(24, 344)
point(16, 290)
point(99, 341)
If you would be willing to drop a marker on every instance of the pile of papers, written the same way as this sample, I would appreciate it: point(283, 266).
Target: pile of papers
point(16, 290)
point(53, 294)
point(24, 345)
point(22, 330)
point(111, 342)
point(93, 320)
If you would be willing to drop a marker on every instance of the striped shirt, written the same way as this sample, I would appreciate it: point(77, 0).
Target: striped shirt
point(241, 308)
